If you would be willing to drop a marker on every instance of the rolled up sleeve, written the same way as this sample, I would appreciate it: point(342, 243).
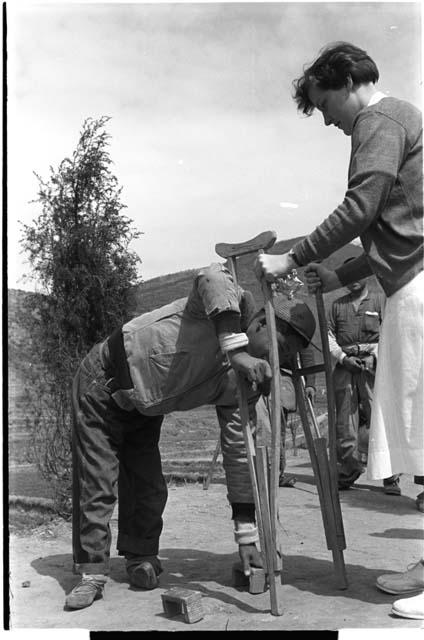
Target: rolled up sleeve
point(217, 290)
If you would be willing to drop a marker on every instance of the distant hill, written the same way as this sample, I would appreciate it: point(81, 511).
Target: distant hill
point(164, 289)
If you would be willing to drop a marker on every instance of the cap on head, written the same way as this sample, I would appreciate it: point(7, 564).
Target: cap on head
point(296, 313)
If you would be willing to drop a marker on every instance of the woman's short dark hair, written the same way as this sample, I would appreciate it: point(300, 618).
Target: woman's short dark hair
point(331, 70)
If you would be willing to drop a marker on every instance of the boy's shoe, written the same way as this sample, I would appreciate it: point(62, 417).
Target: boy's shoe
point(419, 501)
point(90, 588)
point(143, 571)
point(410, 607)
point(392, 486)
point(410, 581)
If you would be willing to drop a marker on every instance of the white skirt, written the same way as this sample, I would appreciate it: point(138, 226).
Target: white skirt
point(396, 442)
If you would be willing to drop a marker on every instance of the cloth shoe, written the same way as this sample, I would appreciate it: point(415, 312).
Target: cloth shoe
point(392, 486)
point(410, 581)
point(143, 571)
point(419, 501)
point(410, 607)
point(90, 588)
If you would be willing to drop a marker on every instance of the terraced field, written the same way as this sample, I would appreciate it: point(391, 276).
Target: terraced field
point(188, 442)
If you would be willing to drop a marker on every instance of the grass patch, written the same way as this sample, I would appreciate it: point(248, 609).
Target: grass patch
point(23, 521)
point(27, 481)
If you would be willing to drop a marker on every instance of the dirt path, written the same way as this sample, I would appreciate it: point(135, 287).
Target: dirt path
point(383, 534)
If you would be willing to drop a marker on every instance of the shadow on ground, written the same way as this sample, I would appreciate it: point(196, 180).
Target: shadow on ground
point(366, 496)
point(182, 567)
point(408, 534)
point(194, 569)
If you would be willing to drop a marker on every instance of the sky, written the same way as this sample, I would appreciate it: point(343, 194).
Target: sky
point(206, 141)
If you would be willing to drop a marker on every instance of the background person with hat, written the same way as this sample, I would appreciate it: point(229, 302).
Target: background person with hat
point(174, 358)
point(354, 323)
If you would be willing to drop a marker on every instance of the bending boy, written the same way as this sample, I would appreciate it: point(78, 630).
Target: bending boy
point(175, 358)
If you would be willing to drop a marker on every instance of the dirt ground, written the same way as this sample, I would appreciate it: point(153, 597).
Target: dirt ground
point(383, 534)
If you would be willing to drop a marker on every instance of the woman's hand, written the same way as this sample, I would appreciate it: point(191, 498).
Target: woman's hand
point(272, 267)
point(319, 277)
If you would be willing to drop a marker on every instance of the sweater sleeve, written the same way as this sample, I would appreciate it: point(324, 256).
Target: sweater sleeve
point(378, 148)
point(355, 270)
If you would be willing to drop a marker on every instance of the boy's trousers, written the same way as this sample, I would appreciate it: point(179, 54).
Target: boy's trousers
point(115, 454)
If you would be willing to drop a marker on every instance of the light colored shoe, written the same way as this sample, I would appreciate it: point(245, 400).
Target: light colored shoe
point(410, 581)
point(90, 588)
point(410, 607)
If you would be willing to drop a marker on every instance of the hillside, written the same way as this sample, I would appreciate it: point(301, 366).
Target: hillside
point(164, 289)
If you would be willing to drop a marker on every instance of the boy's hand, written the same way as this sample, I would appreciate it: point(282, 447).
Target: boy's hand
point(250, 557)
point(257, 371)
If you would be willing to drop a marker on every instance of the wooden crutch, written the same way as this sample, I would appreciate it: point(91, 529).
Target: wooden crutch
point(265, 486)
point(207, 479)
point(324, 466)
point(231, 252)
point(331, 406)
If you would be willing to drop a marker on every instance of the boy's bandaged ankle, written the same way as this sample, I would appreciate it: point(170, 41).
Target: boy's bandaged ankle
point(245, 532)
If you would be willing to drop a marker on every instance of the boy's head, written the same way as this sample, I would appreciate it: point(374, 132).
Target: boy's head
point(295, 325)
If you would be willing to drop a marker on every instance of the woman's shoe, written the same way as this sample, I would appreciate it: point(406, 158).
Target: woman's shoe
point(410, 581)
point(410, 607)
